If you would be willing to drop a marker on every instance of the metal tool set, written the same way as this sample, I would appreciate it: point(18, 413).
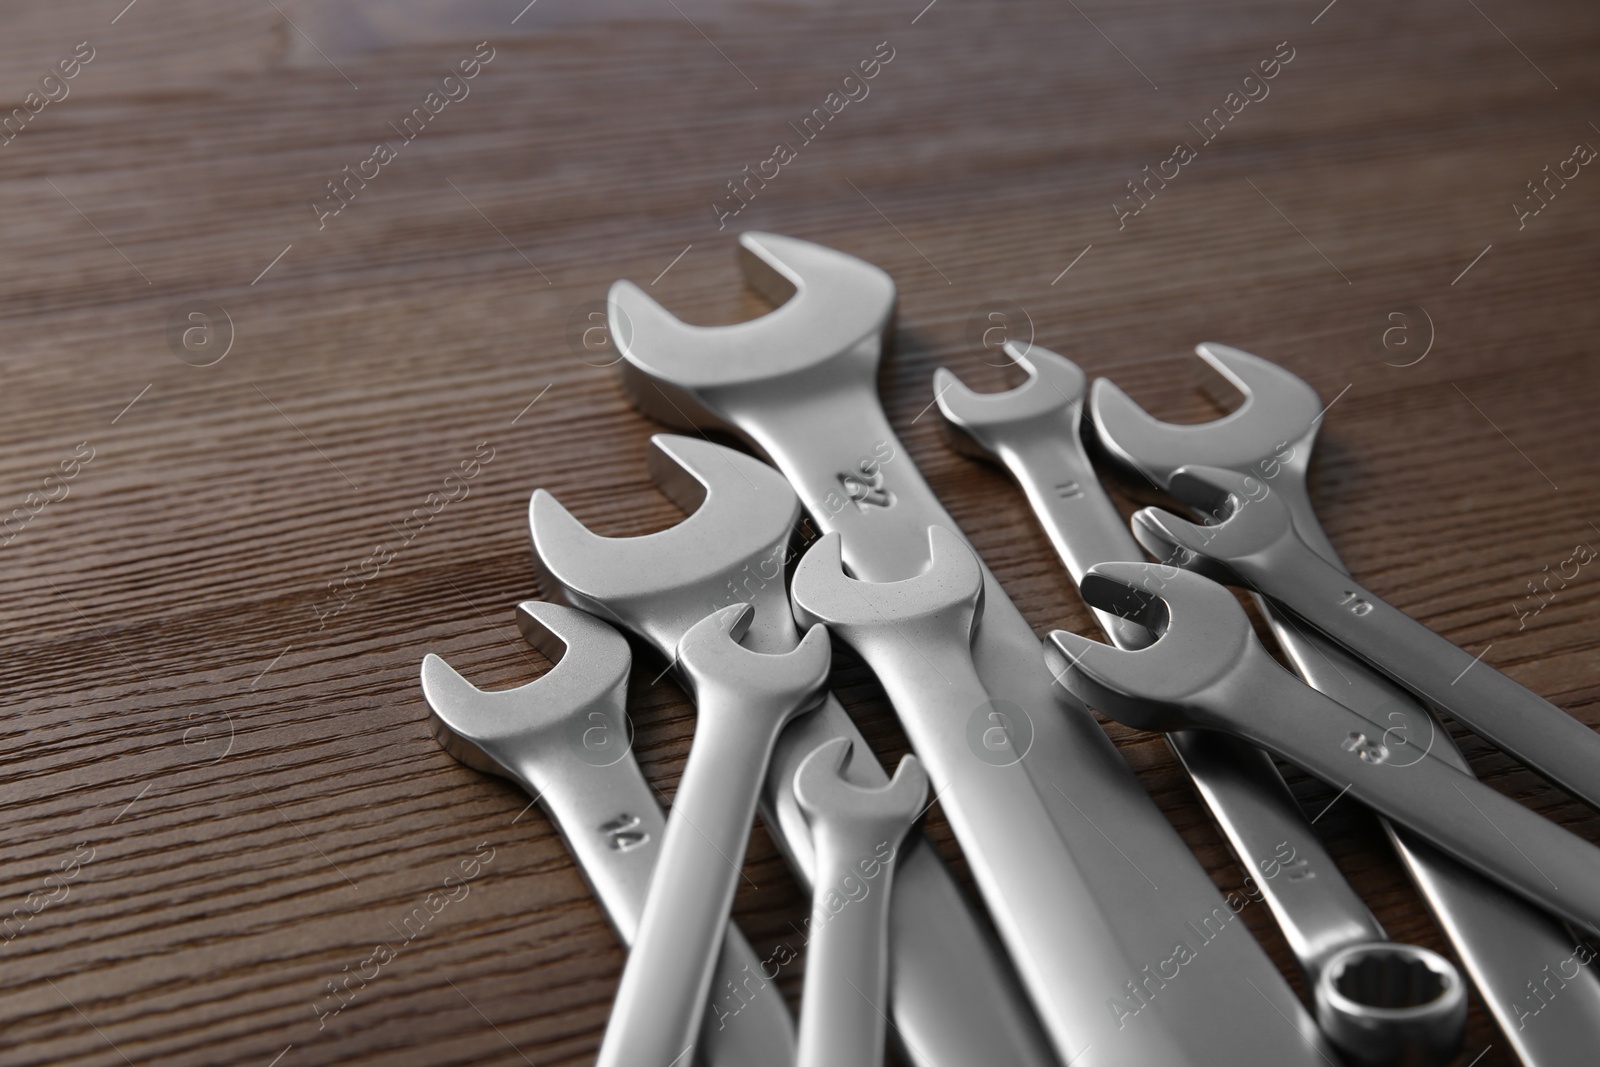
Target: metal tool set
point(1114, 947)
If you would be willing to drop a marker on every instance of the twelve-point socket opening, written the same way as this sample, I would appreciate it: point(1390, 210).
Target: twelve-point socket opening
point(1388, 979)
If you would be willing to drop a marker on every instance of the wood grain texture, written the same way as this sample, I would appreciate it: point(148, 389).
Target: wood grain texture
point(260, 791)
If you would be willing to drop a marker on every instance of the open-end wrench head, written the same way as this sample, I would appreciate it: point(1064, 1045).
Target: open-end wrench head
point(1279, 408)
point(1249, 519)
point(945, 598)
point(714, 661)
point(840, 306)
point(732, 546)
point(1054, 389)
point(1204, 638)
point(488, 731)
point(888, 811)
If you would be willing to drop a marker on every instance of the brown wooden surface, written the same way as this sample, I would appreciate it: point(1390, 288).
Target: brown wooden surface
point(262, 796)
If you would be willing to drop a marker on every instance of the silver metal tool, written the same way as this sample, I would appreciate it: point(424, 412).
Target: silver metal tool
point(1505, 944)
point(1207, 671)
point(953, 997)
point(858, 834)
point(1278, 550)
point(1257, 546)
point(1034, 430)
point(1086, 881)
point(743, 699)
point(561, 737)
point(916, 635)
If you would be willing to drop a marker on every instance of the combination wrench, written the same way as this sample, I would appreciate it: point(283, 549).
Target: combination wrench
point(857, 833)
point(1034, 431)
point(560, 738)
point(1206, 670)
point(743, 699)
point(1086, 882)
point(1254, 543)
point(953, 997)
point(1505, 944)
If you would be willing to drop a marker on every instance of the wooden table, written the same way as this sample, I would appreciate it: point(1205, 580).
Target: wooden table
point(235, 784)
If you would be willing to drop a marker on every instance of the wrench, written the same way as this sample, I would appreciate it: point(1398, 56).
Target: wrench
point(743, 700)
point(560, 738)
point(1034, 431)
point(1085, 880)
point(916, 635)
point(1274, 553)
point(1207, 671)
point(1504, 943)
point(857, 833)
point(953, 996)
point(1259, 547)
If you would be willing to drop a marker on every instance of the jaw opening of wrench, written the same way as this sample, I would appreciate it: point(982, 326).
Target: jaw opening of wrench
point(1274, 427)
point(1203, 638)
point(492, 731)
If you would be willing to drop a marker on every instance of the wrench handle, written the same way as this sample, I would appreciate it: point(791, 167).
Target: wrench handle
point(859, 481)
point(1332, 671)
point(613, 826)
point(1484, 829)
point(1486, 701)
point(1083, 524)
point(844, 1004)
point(1315, 908)
point(667, 979)
point(998, 803)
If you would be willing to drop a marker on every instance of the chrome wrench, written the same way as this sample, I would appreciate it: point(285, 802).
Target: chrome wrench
point(1034, 431)
point(744, 699)
point(1085, 880)
point(560, 738)
point(1207, 671)
point(1505, 944)
point(1258, 546)
point(858, 835)
point(953, 996)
